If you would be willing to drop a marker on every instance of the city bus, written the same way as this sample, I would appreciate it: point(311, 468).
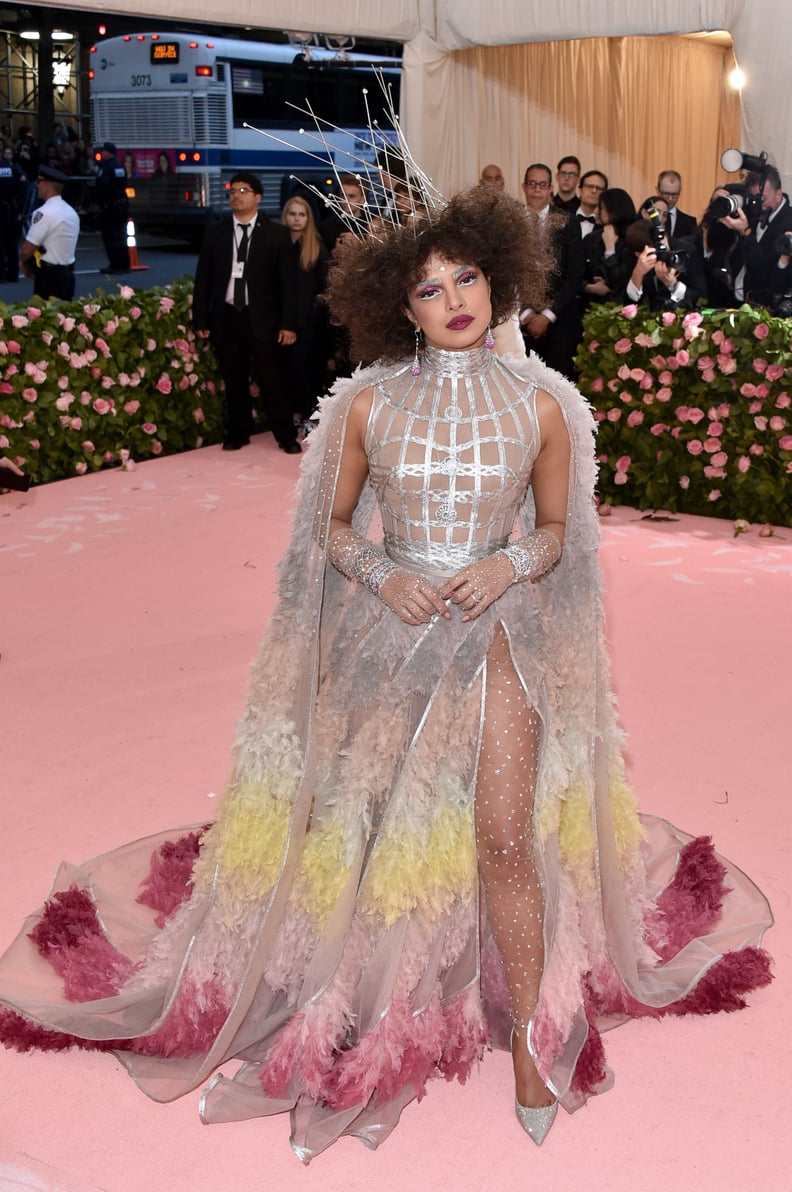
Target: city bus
point(176, 105)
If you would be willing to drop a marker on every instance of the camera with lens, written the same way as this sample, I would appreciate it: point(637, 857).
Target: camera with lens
point(675, 258)
point(739, 198)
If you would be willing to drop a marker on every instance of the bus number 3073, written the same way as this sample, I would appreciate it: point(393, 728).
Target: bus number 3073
point(141, 80)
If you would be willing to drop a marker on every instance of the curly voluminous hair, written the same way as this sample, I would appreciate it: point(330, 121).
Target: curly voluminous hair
point(370, 278)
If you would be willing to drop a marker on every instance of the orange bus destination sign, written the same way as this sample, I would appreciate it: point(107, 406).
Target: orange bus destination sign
point(164, 51)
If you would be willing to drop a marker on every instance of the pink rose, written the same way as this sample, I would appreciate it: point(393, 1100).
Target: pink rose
point(715, 428)
point(727, 347)
point(151, 345)
point(783, 401)
point(683, 357)
point(760, 422)
point(756, 449)
point(762, 390)
point(184, 383)
point(164, 384)
point(156, 448)
point(643, 340)
point(614, 415)
point(785, 443)
point(81, 468)
point(35, 444)
point(635, 418)
point(19, 321)
point(777, 423)
point(107, 382)
point(166, 305)
point(108, 457)
point(713, 473)
point(620, 478)
point(63, 382)
point(64, 401)
point(714, 494)
point(126, 292)
point(623, 463)
point(622, 346)
point(47, 337)
point(718, 337)
point(593, 345)
point(659, 428)
point(668, 318)
point(681, 413)
point(723, 410)
point(693, 318)
point(13, 347)
point(774, 372)
point(646, 381)
point(759, 364)
point(744, 463)
point(29, 394)
point(149, 428)
point(658, 362)
point(613, 385)
point(88, 447)
point(665, 377)
point(663, 394)
point(711, 445)
point(630, 310)
point(695, 415)
point(626, 397)
point(101, 406)
point(5, 388)
point(624, 373)
point(719, 460)
point(85, 398)
point(76, 424)
point(708, 375)
point(754, 407)
point(110, 327)
point(135, 312)
point(131, 407)
point(597, 385)
point(695, 447)
point(684, 482)
point(727, 365)
point(198, 415)
point(761, 331)
point(748, 390)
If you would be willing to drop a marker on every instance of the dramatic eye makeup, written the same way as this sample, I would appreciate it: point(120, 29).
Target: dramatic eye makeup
point(465, 275)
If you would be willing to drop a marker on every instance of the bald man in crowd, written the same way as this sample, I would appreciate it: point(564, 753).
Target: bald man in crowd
point(492, 175)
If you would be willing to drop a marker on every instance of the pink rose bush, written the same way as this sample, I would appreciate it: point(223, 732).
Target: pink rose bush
point(87, 356)
point(691, 400)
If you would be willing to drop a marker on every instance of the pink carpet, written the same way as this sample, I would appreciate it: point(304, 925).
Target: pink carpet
point(131, 605)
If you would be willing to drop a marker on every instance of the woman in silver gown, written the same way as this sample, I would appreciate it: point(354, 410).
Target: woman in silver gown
point(427, 845)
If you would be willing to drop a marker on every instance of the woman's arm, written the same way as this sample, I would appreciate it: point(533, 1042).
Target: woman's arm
point(411, 597)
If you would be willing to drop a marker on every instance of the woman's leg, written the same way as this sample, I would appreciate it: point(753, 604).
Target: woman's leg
point(504, 801)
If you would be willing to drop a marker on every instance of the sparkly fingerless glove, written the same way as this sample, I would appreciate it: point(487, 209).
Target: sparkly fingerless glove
point(356, 558)
point(534, 555)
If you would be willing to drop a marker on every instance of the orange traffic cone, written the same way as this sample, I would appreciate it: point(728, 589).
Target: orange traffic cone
point(134, 264)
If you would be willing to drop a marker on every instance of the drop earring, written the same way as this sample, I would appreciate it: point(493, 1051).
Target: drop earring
point(415, 367)
point(489, 342)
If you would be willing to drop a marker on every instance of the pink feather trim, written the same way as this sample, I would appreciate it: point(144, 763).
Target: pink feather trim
point(169, 881)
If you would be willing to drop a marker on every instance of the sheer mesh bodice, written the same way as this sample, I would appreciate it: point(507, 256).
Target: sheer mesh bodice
point(450, 457)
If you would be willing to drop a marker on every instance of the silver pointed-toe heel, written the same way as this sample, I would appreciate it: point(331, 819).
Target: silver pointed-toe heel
point(536, 1122)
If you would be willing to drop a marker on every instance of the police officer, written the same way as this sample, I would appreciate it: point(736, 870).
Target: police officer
point(114, 210)
point(47, 254)
point(12, 193)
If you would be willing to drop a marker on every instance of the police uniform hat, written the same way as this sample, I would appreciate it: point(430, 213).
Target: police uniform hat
point(52, 175)
point(110, 147)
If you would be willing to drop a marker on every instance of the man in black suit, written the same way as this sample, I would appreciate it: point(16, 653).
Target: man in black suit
point(679, 225)
point(245, 300)
point(766, 272)
point(554, 332)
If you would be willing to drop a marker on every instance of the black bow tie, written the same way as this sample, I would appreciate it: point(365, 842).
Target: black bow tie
point(585, 218)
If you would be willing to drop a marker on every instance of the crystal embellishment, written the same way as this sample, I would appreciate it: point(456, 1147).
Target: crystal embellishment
point(453, 413)
point(446, 514)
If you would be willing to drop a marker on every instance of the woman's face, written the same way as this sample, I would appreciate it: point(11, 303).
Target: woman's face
point(451, 304)
point(164, 163)
point(296, 217)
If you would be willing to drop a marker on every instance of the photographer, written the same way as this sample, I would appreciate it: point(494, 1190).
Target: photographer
point(762, 278)
point(665, 275)
point(719, 248)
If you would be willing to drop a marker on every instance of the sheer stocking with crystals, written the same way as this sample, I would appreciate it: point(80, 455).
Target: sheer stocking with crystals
point(504, 802)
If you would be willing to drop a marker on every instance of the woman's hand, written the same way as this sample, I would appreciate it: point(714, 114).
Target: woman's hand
point(477, 587)
point(609, 237)
point(412, 598)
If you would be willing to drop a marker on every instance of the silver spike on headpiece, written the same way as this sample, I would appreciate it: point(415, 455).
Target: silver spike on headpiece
point(420, 198)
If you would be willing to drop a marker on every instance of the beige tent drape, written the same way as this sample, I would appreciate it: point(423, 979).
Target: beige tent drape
point(628, 106)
